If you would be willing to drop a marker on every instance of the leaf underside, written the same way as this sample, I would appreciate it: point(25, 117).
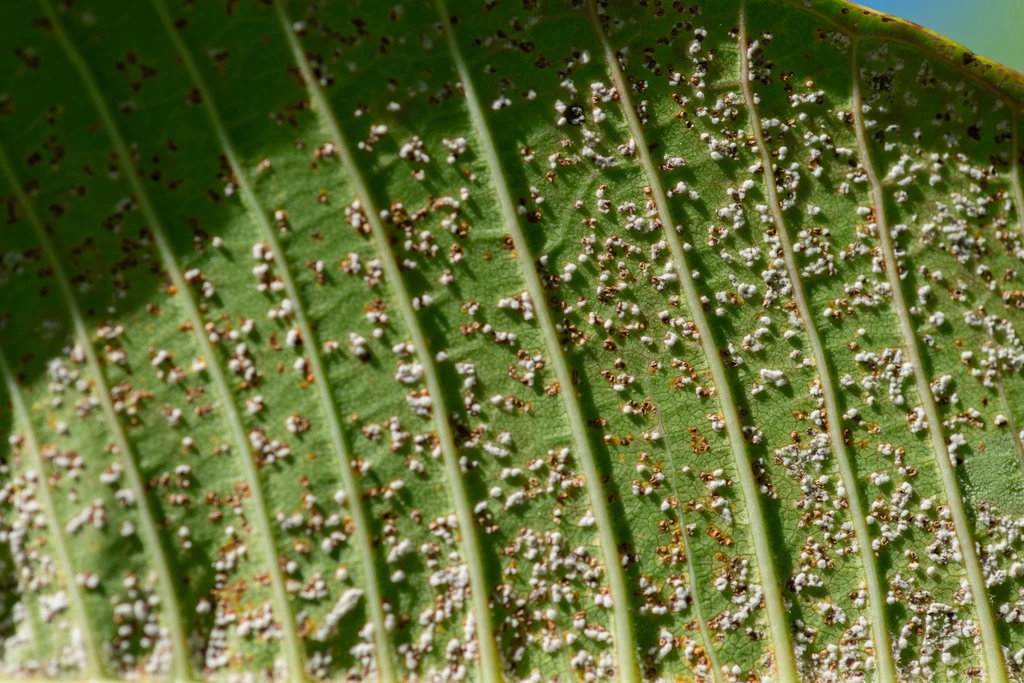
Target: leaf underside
point(465, 340)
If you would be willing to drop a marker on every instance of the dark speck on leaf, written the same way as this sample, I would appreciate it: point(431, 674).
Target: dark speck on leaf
point(575, 116)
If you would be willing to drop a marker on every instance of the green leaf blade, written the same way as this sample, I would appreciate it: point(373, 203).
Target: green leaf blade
point(478, 342)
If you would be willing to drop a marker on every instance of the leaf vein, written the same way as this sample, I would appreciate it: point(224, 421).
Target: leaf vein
point(292, 647)
point(876, 597)
point(975, 577)
point(856, 35)
point(625, 641)
point(777, 619)
point(181, 667)
point(490, 665)
point(691, 568)
point(1018, 205)
point(93, 665)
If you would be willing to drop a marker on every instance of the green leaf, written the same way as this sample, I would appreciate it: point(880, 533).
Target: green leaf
point(507, 341)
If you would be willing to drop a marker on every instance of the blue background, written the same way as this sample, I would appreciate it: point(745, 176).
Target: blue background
point(991, 28)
